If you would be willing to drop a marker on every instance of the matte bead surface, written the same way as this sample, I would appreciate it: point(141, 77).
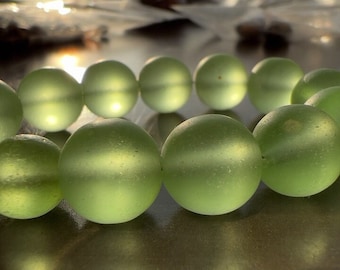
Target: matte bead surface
point(271, 83)
point(29, 184)
point(300, 145)
point(110, 89)
point(221, 81)
point(165, 84)
point(10, 111)
point(211, 164)
point(110, 171)
point(51, 98)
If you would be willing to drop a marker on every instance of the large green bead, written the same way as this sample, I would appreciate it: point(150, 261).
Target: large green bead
point(165, 84)
point(51, 98)
point(10, 111)
point(221, 81)
point(328, 100)
point(110, 89)
point(300, 146)
point(29, 184)
point(271, 83)
point(110, 171)
point(314, 81)
point(211, 164)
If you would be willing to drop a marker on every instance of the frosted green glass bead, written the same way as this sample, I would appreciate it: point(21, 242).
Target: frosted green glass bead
point(211, 164)
point(29, 185)
point(110, 89)
point(328, 100)
point(51, 98)
point(300, 146)
point(314, 81)
point(221, 81)
point(110, 171)
point(165, 84)
point(10, 111)
point(271, 83)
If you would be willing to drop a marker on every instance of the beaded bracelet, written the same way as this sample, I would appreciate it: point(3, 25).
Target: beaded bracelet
point(111, 171)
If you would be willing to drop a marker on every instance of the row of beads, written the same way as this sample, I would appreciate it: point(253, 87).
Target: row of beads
point(111, 171)
point(52, 100)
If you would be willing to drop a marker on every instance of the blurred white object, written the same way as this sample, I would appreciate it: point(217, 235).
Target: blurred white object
point(308, 19)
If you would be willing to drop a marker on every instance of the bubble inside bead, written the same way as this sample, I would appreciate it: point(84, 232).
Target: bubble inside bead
point(51, 99)
point(110, 171)
point(300, 146)
point(211, 164)
point(29, 184)
point(165, 84)
point(314, 81)
point(110, 89)
point(271, 83)
point(328, 100)
point(220, 81)
point(11, 113)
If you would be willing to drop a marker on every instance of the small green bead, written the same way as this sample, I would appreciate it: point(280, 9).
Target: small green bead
point(221, 81)
point(11, 113)
point(110, 171)
point(165, 84)
point(328, 100)
point(314, 81)
point(300, 145)
point(271, 83)
point(211, 164)
point(51, 98)
point(110, 89)
point(29, 184)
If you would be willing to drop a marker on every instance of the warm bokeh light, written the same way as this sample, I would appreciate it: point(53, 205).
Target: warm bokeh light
point(56, 5)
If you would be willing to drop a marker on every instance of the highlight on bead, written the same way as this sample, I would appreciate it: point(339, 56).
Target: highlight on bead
point(110, 89)
point(165, 84)
point(300, 145)
point(110, 171)
point(11, 114)
point(220, 81)
point(29, 181)
point(51, 99)
point(271, 82)
point(211, 164)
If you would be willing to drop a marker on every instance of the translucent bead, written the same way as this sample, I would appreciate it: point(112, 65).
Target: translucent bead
point(314, 81)
point(211, 164)
point(10, 111)
point(29, 184)
point(165, 84)
point(110, 89)
point(328, 100)
point(110, 171)
point(51, 98)
point(221, 81)
point(300, 146)
point(271, 83)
